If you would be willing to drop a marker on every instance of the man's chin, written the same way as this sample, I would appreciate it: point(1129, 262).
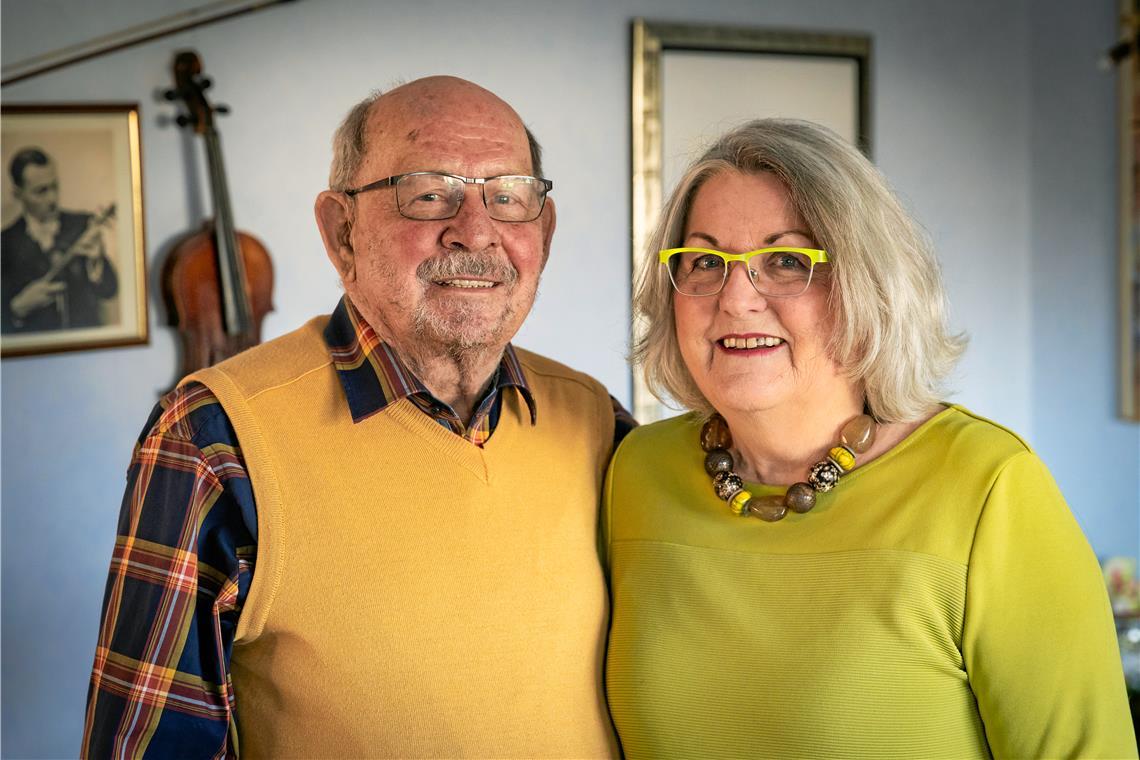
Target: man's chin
point(458, 333)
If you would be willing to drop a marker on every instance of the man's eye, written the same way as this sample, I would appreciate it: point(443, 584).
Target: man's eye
point(503, 199)
point(429, 197)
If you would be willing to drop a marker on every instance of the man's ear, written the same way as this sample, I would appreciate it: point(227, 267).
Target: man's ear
point(334, 214)
point(549, 221)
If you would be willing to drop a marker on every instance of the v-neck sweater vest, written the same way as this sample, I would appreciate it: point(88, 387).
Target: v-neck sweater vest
point(415, 595)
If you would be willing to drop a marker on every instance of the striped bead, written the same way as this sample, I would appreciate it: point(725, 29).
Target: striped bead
point(739, 503)
point(843, 457)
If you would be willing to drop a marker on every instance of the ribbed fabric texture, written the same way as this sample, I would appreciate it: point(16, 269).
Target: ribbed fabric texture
point(940, 602)
point(415, 595)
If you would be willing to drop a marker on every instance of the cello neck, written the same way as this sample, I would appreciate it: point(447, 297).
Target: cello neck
point(231, 271)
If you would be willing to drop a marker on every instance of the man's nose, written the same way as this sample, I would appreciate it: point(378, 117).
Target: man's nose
point(472, 227)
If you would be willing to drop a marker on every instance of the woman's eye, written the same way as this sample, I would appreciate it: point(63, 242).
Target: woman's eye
point(707, 261)
point(787, 260)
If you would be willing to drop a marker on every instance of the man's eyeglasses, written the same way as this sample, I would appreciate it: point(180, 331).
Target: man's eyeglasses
point(428, 196)
point(778, 272)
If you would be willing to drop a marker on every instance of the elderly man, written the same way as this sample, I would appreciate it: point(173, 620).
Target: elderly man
point(56, 275)
point(375, 536)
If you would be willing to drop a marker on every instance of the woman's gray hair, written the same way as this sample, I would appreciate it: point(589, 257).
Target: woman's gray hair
point(349, 145)
point(887, 299)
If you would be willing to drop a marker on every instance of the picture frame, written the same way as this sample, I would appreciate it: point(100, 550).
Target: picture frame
point(72, 246)
point(819, 76)
point(1128, 85)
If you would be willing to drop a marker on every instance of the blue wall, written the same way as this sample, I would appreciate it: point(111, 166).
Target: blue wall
point(1094, 455)
point(990, 119)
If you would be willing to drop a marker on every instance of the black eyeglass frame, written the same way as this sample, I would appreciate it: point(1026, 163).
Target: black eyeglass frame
point(547, 186)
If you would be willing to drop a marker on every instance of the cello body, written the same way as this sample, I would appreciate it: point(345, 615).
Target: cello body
point(194, 300)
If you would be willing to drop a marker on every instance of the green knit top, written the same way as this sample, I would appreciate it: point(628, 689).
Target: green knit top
point(940, 602)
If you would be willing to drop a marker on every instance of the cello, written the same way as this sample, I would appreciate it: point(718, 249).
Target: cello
point(217, 282)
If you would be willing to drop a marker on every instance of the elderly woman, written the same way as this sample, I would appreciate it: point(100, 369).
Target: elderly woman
point(822, 558)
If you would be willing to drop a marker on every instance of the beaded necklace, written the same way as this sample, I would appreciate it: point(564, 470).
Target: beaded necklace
point(855, 438)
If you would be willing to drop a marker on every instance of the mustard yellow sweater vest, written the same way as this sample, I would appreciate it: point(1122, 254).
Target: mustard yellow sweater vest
point(415, 595)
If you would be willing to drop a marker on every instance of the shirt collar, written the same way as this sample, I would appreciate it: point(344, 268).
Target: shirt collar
point(373, 377)
point(44, 233)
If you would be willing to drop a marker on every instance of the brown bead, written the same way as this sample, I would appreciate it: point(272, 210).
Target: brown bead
point(718, 460)
point(769, 508)
point(800, 498)
point(858, 434)
point(715, 435)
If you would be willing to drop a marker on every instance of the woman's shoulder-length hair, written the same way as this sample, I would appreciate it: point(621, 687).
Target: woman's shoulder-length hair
point(887, 300)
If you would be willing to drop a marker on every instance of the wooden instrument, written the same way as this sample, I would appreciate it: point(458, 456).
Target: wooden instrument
point(60, 259)
point(217, 282)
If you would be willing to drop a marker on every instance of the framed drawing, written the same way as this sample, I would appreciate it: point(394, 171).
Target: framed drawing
point(1129, 87)
point(71, 228)
point(691, 83)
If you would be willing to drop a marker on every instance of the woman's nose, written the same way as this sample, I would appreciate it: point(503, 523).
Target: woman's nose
point(738, 293)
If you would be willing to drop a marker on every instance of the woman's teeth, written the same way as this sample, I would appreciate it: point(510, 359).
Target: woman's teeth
point(767, 342)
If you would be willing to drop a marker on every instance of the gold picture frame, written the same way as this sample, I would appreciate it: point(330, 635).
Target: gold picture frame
point(1129, 277)
point(73, 251)
point(686, 73)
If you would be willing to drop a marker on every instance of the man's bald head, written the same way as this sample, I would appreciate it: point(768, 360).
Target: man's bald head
point(397, 116)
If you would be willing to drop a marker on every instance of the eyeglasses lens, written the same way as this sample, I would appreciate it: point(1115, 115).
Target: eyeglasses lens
point(427, 196)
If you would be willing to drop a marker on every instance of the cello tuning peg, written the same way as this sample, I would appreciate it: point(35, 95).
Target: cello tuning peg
point(222, 109)
point(170, 94)
point(205, 83)
point(182, 120)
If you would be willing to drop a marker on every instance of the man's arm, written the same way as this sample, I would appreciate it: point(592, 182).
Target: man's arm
point(180, 572)
point(623, 421)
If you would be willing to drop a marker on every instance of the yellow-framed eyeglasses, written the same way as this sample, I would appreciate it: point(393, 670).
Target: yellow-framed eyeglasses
point(779, 272)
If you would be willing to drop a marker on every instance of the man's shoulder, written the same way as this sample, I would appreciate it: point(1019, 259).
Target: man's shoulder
point(539, 368)
point(15, 229)
point(275, 363)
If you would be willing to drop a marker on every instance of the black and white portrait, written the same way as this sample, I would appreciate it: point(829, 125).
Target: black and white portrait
point(71, 247)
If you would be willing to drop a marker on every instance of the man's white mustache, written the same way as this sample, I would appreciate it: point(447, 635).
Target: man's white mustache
point(459, 263)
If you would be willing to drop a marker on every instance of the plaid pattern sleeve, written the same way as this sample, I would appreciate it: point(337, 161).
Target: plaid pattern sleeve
point(180, 571)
